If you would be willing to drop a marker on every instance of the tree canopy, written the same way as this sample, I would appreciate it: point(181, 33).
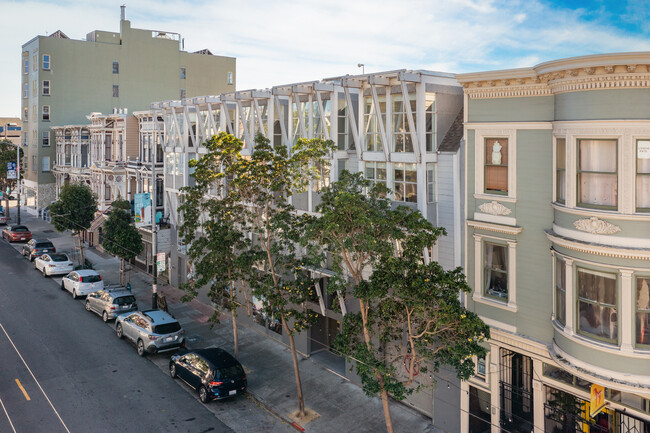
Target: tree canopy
point(75, 208)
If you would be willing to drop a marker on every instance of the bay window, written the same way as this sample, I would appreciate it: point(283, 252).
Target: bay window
point(597, 308)
point(495, 258)
point(496, 165)
point(597, 173)
point(643, 175)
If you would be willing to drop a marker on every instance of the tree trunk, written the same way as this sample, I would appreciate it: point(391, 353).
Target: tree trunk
point(385, 404)
point(380, 379)
point(122, 279)
point(234, 332)
point(82, 256)
point(301, 401)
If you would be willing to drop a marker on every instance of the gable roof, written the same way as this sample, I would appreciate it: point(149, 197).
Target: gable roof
point(451, 142)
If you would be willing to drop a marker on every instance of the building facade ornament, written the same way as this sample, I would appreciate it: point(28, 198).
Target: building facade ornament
point(495, 208)
point(596, 226)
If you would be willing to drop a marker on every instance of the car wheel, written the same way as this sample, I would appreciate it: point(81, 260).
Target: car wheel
point(119, 331)
point(203, 395)
point(44, 273)
point(87, 306)
point(74, 294)
point(62, 285)
point(140, 347)
point(172, 370)
point(104, 315)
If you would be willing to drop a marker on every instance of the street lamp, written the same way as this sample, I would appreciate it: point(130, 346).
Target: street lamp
point(363, 67)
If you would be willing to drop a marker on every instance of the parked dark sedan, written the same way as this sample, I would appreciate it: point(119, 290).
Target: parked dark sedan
point(37, 247)
point(213, 372)
point(17, 233)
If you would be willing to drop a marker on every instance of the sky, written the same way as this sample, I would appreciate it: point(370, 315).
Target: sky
point(282, 41)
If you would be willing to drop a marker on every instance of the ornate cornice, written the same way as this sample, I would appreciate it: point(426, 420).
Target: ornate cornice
point(623, 70)
point(495, 208)
point(597, 249)
point(498, 228)
point(596, 226)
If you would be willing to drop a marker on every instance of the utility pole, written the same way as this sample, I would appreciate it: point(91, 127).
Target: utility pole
point(154, 231)
point(18, 181)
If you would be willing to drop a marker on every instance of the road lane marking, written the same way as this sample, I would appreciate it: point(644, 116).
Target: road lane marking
point(23, 390)
point(35, 380)
point(8, 419)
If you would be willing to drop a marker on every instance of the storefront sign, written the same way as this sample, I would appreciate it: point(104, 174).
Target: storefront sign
point(597, 400)
point(11, 170)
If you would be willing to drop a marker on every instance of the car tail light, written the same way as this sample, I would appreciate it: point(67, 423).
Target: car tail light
point(112, 307)
point(216, 383)
point(153, 337)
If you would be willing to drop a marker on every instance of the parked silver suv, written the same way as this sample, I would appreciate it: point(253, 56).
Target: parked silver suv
point(111, 302)
point(152, 331)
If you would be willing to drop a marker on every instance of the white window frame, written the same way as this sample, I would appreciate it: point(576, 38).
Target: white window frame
point(25, 63)
point(480, 135)
point(46, 164)
point(479, 283)
point(229, 79)
point(47, 62)
point(26, 90)
point(46, 88)
point(637, 175)
point(116, 67)
point(566, 170)
point(46, 137)
point(116, 90)
point(394, 182)
point(616, 174)
point(432, 193)
point(183, 73)
point(46, 112)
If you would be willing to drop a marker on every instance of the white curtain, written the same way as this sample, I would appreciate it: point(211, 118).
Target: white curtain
point(598, 179)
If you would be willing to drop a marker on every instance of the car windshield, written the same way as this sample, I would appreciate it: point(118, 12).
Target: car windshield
point(167, 328)
point(230, 372)
point(44, 245)
point(124, 300)
point(90, 278)
point(59, 257)
point(20, 229)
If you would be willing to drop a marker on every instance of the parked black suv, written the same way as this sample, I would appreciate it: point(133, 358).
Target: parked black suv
point(37, 247)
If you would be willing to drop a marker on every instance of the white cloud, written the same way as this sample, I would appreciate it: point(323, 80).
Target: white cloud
point(283, 41)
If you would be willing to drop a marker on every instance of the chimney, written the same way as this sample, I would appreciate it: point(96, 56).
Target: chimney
point(123, 12)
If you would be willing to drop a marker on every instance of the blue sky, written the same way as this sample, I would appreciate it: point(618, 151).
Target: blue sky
point(282, 41)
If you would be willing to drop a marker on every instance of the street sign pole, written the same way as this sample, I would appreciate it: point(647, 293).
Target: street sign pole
point(18, 182)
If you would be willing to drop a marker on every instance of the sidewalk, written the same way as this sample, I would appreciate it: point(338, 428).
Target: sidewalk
point(342, 406)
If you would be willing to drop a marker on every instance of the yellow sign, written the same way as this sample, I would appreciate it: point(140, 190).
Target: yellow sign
point(597, 400)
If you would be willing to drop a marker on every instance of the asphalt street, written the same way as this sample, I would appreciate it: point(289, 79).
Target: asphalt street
point(63, 370)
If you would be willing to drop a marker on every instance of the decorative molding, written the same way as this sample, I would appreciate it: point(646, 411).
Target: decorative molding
point(495, 208)
point(596, 226)
point(494, 227)
point(533, 89)
point(598, 250)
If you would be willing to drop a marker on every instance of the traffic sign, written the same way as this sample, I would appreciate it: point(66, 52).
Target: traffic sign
point(11, 170)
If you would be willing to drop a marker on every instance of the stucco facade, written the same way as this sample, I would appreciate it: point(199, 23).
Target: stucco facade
point(63, 80)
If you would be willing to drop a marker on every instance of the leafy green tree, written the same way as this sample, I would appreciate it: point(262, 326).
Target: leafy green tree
point(121, 238)
point(74, 210)
point(212, 230)
point(7, 154)
point(259, 187)
point(377, 252)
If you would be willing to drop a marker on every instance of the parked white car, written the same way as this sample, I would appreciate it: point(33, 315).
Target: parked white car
point(53, 264)
point(82, 282)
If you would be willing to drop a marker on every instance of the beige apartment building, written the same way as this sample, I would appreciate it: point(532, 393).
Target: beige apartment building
point(109, 72)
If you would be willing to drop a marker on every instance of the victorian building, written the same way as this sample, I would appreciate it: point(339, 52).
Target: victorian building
point(558, 245)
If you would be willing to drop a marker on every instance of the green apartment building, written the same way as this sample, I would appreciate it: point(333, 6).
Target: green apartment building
point(558, 245)
point(64, 79)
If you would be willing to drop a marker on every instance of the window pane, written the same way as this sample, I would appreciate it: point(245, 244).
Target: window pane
point(597, 304)
point(597, 155)
point(496, 270)
point(496, 151)
point(560, 291)
point(598, 189)
point(643, 310)
point(496, 165)
point(496, 178)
